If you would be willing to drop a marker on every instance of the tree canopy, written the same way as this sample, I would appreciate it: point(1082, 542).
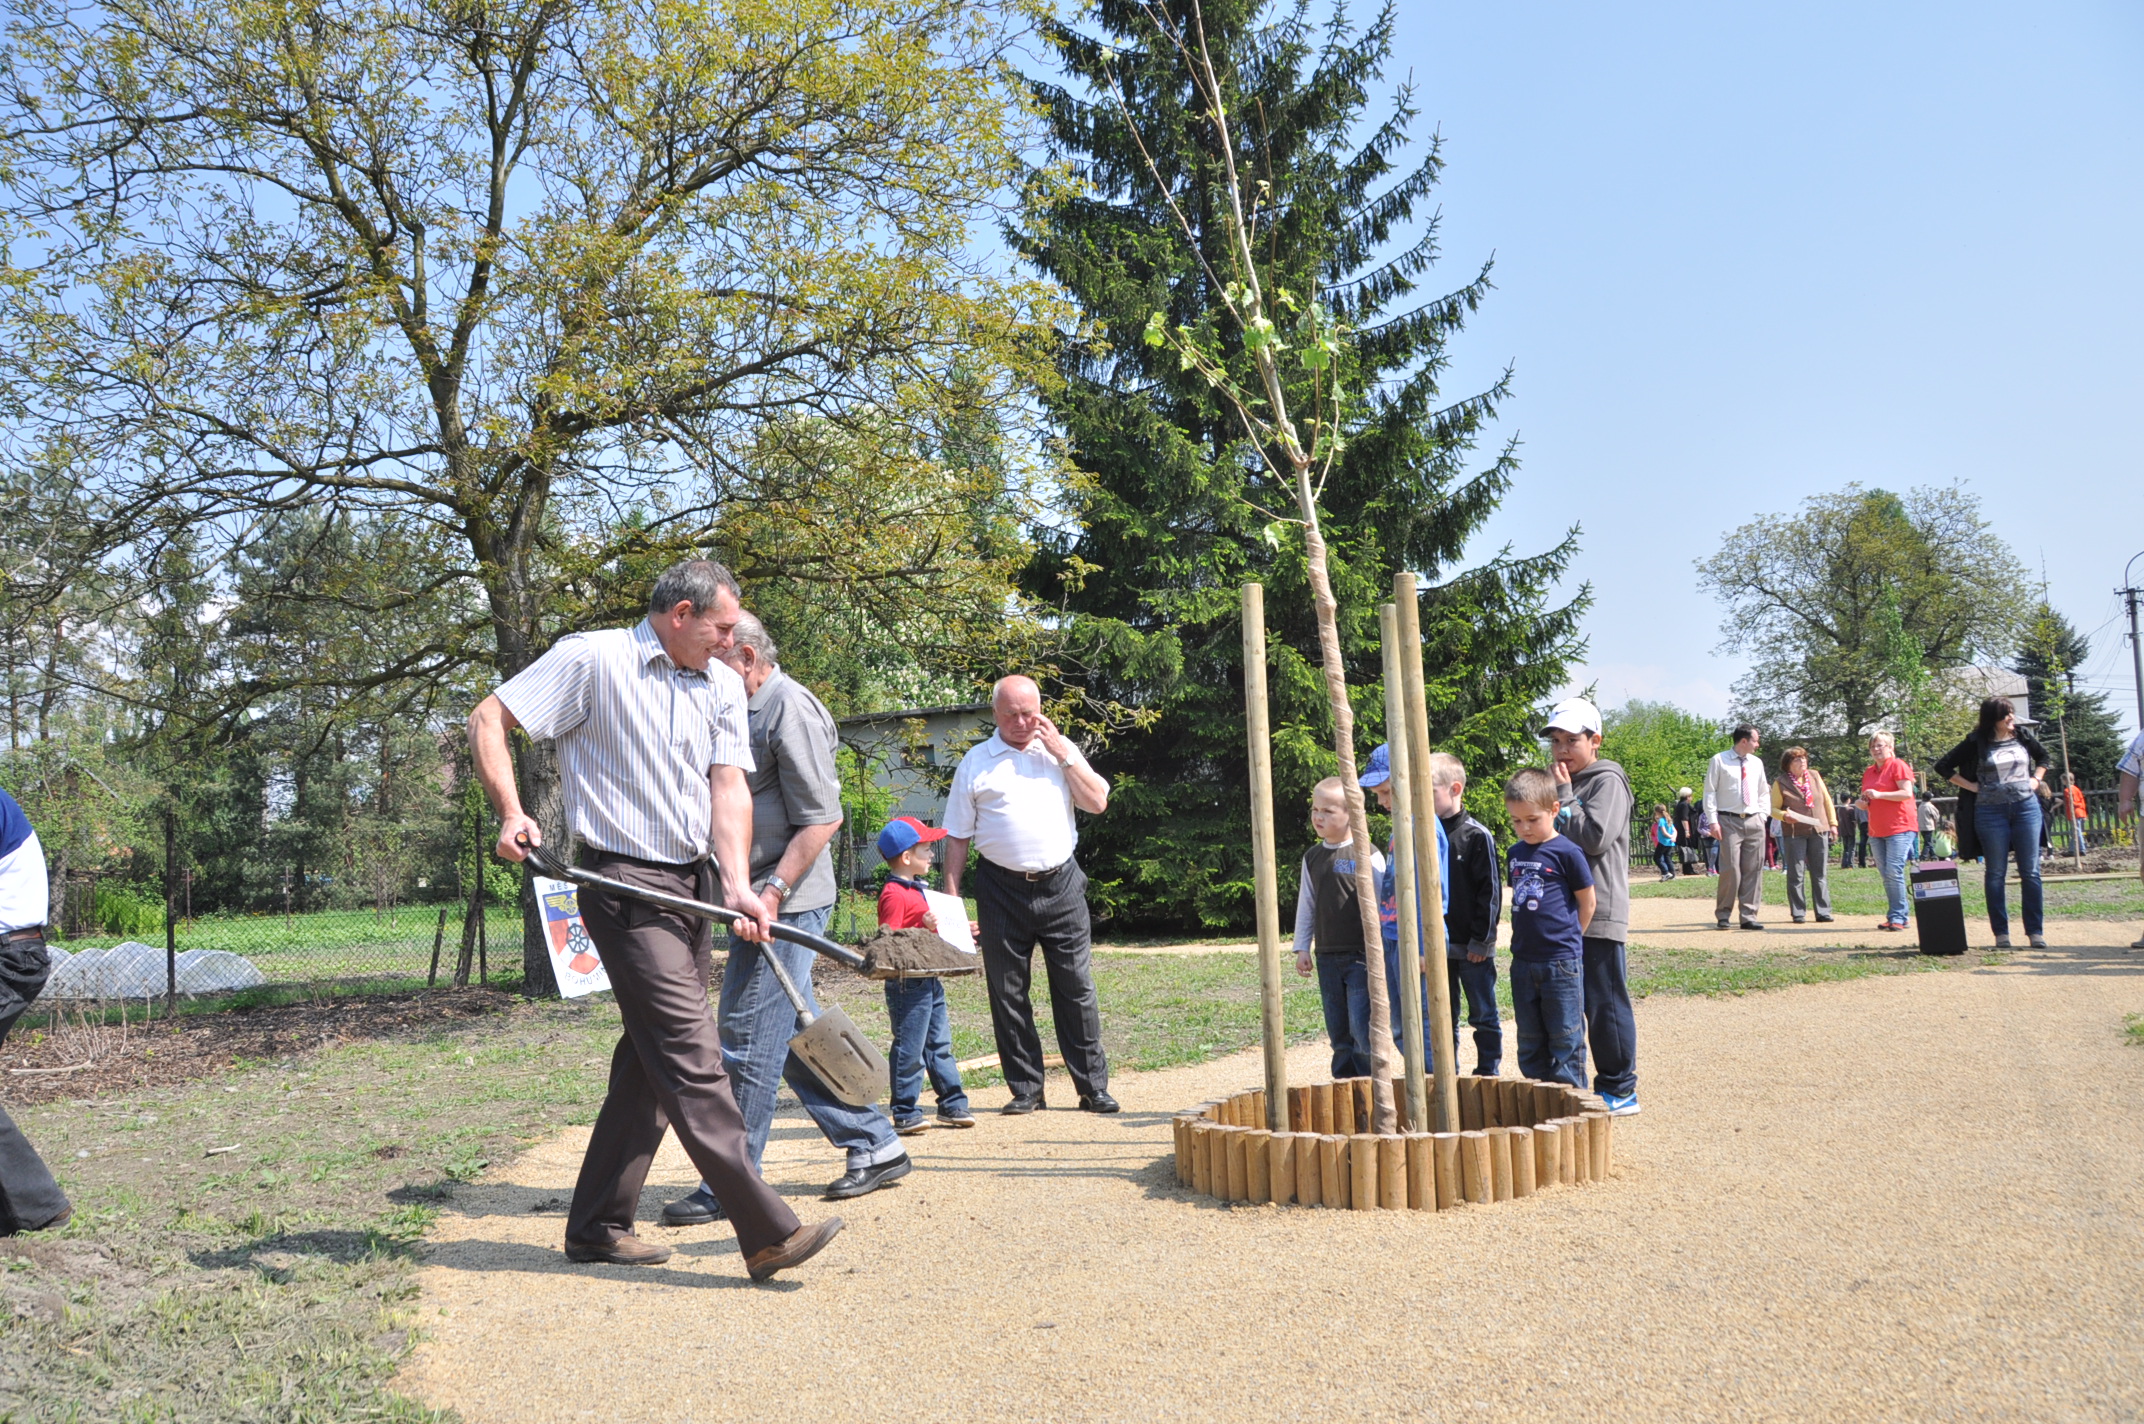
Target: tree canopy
point(1662, 747)
point(1176, 509)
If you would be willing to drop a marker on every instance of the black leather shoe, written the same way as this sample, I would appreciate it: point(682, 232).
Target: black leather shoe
point(1823, 919)
point(1721, 923)
point(1099, 1103)
point(1751, 925)
point(1024, 1103)
point(699, 1209)
point(859, 1181)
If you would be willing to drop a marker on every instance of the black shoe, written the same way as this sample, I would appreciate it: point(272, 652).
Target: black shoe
point(1024, 1103)
point(1721, 923)
point(1751, 925)
point(699, 1209)
point(955, 1117)
point(861, 1180)
point(1797, 919)
point(1098, 1103)
point(1823, 919)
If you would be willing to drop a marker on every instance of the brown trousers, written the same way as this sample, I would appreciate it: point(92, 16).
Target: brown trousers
point(667, 1070)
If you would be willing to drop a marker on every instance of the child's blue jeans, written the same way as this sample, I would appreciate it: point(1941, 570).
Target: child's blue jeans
point(1475, 982)
point(922, 1044)
point(1344, 986)
point(1548, 998)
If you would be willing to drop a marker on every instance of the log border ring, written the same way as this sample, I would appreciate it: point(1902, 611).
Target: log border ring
point(1517, 1137)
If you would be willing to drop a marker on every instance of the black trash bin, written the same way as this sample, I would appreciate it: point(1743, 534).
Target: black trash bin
point(1938, 912)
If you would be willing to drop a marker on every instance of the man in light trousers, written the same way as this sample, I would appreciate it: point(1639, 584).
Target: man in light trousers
point(1738, 803)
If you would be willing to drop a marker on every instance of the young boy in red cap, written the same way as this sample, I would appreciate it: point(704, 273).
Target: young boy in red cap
point(922, 1033)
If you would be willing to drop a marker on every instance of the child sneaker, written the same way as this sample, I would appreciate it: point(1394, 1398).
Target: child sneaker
point(955, 1117)
point(910, 1126)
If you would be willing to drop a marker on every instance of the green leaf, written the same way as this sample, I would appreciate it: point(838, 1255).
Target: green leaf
point(1156, 330)
point(1272, 532)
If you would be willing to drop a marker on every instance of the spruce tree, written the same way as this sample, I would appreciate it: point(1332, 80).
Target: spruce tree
point(2095, 733)
point(1175, 512)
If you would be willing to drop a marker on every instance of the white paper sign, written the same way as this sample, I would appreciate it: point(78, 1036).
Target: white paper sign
point(574, 960)
point(952, 913)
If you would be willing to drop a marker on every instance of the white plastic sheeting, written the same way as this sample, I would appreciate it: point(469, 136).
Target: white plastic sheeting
point(137, 971)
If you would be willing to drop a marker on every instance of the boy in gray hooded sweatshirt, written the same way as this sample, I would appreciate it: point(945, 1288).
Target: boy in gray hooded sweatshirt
point(1595, 808)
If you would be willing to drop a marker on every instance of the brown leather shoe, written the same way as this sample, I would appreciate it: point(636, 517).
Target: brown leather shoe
point(627, 1250)
point(804, 1243)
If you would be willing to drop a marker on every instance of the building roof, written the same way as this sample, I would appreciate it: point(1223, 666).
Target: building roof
point(911, 713)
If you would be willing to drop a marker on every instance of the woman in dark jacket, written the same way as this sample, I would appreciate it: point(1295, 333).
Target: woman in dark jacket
point(2000, 768)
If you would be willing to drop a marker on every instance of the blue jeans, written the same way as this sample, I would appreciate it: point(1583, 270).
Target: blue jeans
point(1344, 987)
point(922, 1043)
point(1548, 998)
point(1476, 983)
point(1892, 853)
point(1392, 998)
point(2005, 830)
point(757, 1022)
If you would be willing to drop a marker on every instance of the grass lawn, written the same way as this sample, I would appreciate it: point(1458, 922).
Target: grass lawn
point(1860, 892)
point(244, 1245)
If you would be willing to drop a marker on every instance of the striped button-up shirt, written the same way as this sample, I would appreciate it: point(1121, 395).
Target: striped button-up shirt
point(637, 736)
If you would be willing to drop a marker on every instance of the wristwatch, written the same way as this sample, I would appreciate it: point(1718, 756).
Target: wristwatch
point(778, 885)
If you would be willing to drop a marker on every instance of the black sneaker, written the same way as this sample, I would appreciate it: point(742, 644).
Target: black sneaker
point(955, 1117)
point(910, 1126)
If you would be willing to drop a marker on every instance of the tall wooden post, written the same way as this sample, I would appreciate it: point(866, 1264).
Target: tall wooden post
point(171, 912)
point(1265, 877)
point(1429, 876)
point(1404, 775)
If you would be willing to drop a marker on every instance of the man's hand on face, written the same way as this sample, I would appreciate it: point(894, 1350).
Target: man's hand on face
point(1053, 741)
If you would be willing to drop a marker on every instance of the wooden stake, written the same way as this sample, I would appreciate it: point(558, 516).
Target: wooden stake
point(1258, 1164)
point(1280, 1166)
point(1299, 1110)
point(1200, 1179)
point(1365, 1103)
point(1522, 1162)
point(1181, 1126)
point(1470, 1104)
point(1265, 877)
point(1428, 876)
point(1217, 1162)
point(1574, 1147)
point(1332, 1168)
point(439, 937)
point(1321, 1109)
point(1405, 900)
point(1421, 1173)
point(1444, 1147)
point(1548, 1156)
point(1607, 1149)
point(1239, 1167)
point(1365, 1163)
point(1507, 1090)
point(1597, 1124)
point(1547, 1103)
point(1344, 1122)
point(1500, 1162)
point(1474, 1165)
point(1309, 1172)
point(1392, 1172)
point(1492, 1103)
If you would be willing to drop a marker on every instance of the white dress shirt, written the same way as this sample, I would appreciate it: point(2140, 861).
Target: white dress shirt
point(1736, 784)
point(1014, 806)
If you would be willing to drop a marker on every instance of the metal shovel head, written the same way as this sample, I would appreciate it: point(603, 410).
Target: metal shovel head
point(848, 1063)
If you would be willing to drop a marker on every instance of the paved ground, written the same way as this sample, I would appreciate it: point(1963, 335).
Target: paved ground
point(1912, 1197)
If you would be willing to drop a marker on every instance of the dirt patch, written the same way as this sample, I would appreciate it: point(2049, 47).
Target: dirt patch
point(75, 1058)
point(890, 954)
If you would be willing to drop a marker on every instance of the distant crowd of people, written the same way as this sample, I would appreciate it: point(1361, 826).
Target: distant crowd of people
point(1746, 821)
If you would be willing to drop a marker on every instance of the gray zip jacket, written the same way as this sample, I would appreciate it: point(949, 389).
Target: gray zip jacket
point(1595, 812)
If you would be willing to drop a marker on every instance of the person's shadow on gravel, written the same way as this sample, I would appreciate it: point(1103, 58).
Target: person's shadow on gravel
point(489, 1257)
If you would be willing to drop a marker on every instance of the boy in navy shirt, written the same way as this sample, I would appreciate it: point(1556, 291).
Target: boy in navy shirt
point(922, 1033)
point(1551, 905)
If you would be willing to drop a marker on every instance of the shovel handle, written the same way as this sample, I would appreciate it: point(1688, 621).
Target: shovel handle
point(544, 864)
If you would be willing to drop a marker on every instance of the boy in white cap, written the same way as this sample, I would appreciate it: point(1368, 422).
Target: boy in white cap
point(1594, 806)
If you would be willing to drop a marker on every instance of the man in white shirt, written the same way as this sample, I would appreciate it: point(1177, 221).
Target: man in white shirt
point(29, 1199)
point(1012, 802)
point(1738, 804)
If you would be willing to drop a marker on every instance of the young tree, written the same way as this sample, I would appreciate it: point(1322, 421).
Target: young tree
point(1828, 599)
point(2048, 656)
point(1180, 501)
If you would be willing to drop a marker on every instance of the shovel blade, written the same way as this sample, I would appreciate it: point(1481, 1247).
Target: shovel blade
point(848, 1063)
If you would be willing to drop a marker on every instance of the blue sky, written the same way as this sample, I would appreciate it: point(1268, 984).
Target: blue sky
point(1749, 254)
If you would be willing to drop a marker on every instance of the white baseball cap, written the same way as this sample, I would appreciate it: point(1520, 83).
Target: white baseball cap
point(1574, 714)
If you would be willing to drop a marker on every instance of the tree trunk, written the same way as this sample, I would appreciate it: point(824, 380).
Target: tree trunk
point(1384, 1114)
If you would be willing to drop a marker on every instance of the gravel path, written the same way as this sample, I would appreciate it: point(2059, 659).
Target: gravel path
point(1688, 924)
point(1910, 1197)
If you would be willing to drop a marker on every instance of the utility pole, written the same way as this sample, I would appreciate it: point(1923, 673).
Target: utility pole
point(2136, 649)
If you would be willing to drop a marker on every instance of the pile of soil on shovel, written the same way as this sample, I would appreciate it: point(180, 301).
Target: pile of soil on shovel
point(913, 953)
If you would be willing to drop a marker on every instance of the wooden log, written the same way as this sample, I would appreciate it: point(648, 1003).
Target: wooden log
point(1258, 1108)
point(1548, 1156)
point(1344, 1120)
point(1392, 1172)
point(1421, 1173)
point(1545, 1109)
point(1321, 1109)
point(1365, 1104)
point(1364, 1161)
point(1239, 1167)
point(1258, 1162)
point(1280, 1167)
point(1332, 1168)
point(1309, 1176)
point(1597, 1126)
point(1182, 1128)
point(1574, 1147)
point(1217, 1162)
point(1607, 1148)
point(1492, 1104)
point(1500, 1163)
point(1522, 1162)
point(1474, 1166)
point(1444, 1150)
point(1470, 1104)
point(1508, 1090)
point(1196, 1147)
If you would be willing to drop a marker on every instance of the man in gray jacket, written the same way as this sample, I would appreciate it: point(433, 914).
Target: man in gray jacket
point(1596, 807)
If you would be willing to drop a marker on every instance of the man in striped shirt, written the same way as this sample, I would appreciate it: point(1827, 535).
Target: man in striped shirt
point(652, 756)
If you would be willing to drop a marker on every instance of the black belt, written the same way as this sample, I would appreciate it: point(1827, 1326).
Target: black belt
point(590, 855)
point(1027, 874)
point(36, 932)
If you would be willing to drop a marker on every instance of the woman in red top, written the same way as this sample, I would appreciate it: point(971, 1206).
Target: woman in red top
point(1887, 795)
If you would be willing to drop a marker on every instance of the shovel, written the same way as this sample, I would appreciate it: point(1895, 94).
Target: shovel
point(828, 1043)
